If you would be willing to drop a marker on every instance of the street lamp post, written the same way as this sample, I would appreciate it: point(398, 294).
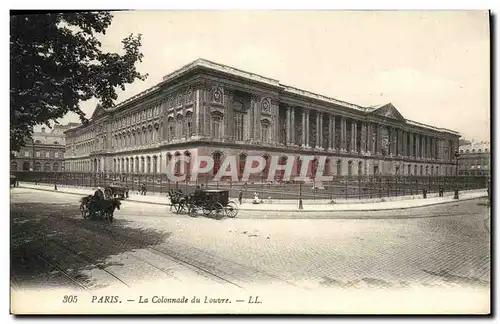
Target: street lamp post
point(457, 155)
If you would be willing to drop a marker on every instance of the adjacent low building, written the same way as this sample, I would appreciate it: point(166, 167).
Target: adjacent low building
point(44, 152)
point(474, 159)
point(205, 108)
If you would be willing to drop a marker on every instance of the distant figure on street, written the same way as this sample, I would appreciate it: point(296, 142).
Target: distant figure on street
point(143, 189)
point(240, 197)
point(256, 199)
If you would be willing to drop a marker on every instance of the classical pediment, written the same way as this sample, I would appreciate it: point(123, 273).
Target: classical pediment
point(98, 111)
point(387, 111)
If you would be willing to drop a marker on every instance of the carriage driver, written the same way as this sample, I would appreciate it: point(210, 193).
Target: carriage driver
point(98, 196)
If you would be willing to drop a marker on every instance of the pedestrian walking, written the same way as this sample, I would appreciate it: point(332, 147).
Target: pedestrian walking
point(240, 197)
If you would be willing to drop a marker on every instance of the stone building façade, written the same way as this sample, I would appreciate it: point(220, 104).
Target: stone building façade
point(206, 108)
point(44, 152)
point(474, 159)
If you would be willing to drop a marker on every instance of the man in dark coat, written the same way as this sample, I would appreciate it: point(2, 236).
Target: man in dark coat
point(96, 201)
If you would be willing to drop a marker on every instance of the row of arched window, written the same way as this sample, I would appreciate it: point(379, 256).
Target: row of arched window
point(473, 151)
point(38, 166)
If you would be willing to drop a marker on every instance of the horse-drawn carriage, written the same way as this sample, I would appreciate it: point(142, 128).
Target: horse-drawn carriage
point(93, 208)
point(116, 191)
point(211, 202)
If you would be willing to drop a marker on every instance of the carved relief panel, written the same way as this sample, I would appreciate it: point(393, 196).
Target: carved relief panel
point(217, 95)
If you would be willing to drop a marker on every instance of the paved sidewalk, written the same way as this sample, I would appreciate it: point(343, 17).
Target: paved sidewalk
point(292, 205)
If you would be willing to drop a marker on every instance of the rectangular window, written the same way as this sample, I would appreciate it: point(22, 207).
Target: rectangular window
point(265, 133)
point(26, 153)
point(47, 154)
point(238, 126)
point(216, 128)
point(56, 154)
point(38, 154)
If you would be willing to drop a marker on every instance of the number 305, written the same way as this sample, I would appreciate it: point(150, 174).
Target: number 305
point(70, 299)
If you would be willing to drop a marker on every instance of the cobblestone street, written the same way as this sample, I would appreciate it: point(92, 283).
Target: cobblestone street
point(52, 246)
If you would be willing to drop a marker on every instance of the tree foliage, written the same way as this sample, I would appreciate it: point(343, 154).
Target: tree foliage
point(56, 62)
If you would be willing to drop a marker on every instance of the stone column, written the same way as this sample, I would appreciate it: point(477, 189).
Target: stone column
point(436, 144)
point(363, 137)
point(412, 143)
point(332, 133)
point(397, 151)
point(257, 134)
point(390, 131)
point(354, 129)
point(424, 146)
point(370, 138)
point(304, 129)
point(196, 116)
point(432, 150)
point(394, 141)
point(318, 130)
point(418, 146)
point(379, 139)
point(342, 134)
point(404, 143)
point(308, 137)
point(292, 126)
point(322, 135)
point(429, 144)
point(288, 126)
point(400, 142)
point(251, 120)
point(228, 115)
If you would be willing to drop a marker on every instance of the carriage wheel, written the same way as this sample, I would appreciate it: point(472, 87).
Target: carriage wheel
point(207, 209)
point(218, 210)
point(231, 209)
point(192, 210)
point(83, 210)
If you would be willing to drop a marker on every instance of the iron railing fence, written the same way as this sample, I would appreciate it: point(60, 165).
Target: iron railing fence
point(342, 187)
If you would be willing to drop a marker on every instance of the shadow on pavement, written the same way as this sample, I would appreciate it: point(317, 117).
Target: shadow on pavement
point(52, 246)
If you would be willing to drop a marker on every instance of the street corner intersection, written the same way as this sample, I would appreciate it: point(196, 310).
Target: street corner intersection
point(445, 245)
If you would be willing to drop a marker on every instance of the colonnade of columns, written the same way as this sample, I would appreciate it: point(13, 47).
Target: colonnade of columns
point(341, 134)
point(137, 164)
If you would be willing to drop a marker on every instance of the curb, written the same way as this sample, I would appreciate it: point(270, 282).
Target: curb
point(283, 211)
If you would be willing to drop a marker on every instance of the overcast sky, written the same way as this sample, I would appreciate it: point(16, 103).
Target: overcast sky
point(433, 66)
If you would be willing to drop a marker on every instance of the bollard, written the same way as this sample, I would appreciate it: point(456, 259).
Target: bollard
point(456, 194)
point(300, 204)
point(424, 191)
